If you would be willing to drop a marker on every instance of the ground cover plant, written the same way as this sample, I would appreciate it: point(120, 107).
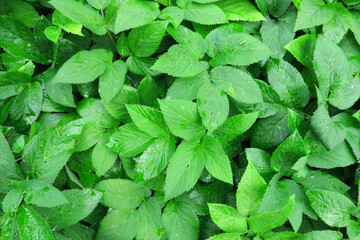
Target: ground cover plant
point(179, 119)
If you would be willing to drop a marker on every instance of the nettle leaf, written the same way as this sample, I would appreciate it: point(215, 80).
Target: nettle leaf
point(122, 194)
point(17, 39)
point(180, 221)
point(332, 207)
point(207, 14)
point(237, 49)
point(81, 14)
point(180, 61)
point(213, 106)
point(145, 40)
point(129, 140)
point(303, 49)
point(276, 35)
point(119, 224)
point(338, 25)
point(227, 218)
point(27, 220)
point(288, 82)
point(240, 10)
point(43, 158)
point(237, 84)
point(313, 13)
point(148, 91)
point(250, 191)
point(10, 172)
point(142, 66)
point(112, 79)
point(172, 14)
point(84, 66)
point(102, 158)
point(182, 119)
point(149, 120)
point(149, 220)
point(135, 13)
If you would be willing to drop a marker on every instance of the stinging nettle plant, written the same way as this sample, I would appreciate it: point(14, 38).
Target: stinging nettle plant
point(179, 119)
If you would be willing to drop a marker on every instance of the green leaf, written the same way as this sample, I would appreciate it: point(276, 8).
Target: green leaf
point(229, 236)
point(235, 126)
point(12, 200)
point(227, 218)
point(122, 194)
point(43, 159)
point(250, 191)
point(148, 120)
point(145, 40)
point(332, 207)
point(180, 221)
point(264, 221)
point(129, 140)
point(172, 14)
point(11, 83)
point(102, 158)
point(111, 80)
point(80, 204)
point(27, 106)
point(53, 33)
point(327, 234)
point(148, 91)
point(303, 49)
point(355, 26)
point(330, 133)
point(28, 220)
point(17, 39)
point(119, 224)
point(9, 229)
point(287, 153)
point(240, 10)
point(180, 61)
point(270, 131)
point(276, 35)
point(207, 14)
point(288, 82)
point(237, 84)
point(21, 11)
point(81, 14)
point(216, 161)
point(313, 13)
point(141, 66)
point(182, 119)
point(154, 159)
point(184, 169)
point(338, 25)
point(238, 49)
point(89, 136)
point(59, 93)
point(9, 170)
point(261, 161)
point(65, 23)
point(150, 220)
point(93, 110)
point(42, 194)
point(213, 106)
point(353, 230)
point(99, 4)
point(135, 13)
point(84, 66)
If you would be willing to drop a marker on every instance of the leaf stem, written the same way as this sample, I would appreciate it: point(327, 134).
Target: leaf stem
point(111, 38)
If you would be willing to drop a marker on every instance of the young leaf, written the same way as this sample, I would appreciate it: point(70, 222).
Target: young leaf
point(184, 169)
point(9, 170)
point(240, 10)
point(227, 218)
point(148, 120)
point(134, 14)
point(145, 40)
point(213, 106)
point(122, 194)
point(332, 207)
point(236, 83)
point(182, 119)
point(180, 61)
point(250, 191)
point(84, 66)
point(129, 140)
point(235, 126)
point(313, 13)
point(111, 80)
point(82, 14)
point(28, 219)
point(119, 224)
point(154, 159)
point(303, 49)
point(180, 221)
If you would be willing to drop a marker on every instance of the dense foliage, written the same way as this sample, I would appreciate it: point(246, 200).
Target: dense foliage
point(179, 119)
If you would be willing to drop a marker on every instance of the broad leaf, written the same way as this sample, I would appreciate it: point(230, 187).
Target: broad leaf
point(227, 218)
point(149, 220)
point(240, 10)
point(303, 49)
point(206, 14)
